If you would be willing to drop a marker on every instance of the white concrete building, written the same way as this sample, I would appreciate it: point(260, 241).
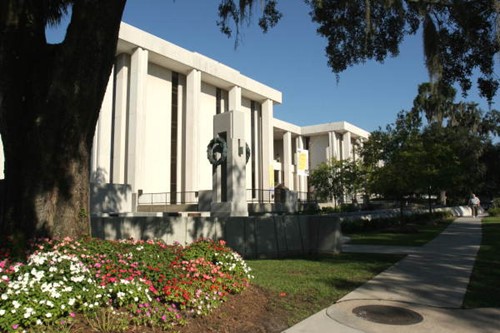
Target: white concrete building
point(157, 120)
point(321, 143)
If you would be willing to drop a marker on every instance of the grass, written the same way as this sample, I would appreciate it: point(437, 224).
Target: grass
point(484, 287)
point(425, 233)
point(305, 286)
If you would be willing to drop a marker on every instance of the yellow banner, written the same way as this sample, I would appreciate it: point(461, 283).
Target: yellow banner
point(302, 162)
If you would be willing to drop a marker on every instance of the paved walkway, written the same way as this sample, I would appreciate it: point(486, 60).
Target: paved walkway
point(431, 280)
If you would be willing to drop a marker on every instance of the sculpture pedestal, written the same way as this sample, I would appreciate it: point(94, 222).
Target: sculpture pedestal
point(229, 178)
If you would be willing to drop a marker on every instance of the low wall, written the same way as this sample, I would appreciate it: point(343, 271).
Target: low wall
point(252, 237)
point(110, 198)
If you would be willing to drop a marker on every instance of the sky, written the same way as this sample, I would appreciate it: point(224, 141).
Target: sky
point(291, 58)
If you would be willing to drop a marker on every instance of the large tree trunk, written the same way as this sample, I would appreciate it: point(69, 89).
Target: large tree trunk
point(50, 97)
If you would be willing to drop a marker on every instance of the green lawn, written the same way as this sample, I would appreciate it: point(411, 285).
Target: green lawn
point(426, 232)
point(305, 286)
point(309, 285)
point(484, 286)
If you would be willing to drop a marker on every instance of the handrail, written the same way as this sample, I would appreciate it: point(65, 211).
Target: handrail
point(192, 197)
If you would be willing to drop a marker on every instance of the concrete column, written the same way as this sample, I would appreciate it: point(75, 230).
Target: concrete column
point(136, 124)
point(101, 171)
point(347, 148)
point(122, 67)
point(267, 146)
point(233, 124)
point(332, 151)
point(191, 138)
point(235, 99)
point(287, 160)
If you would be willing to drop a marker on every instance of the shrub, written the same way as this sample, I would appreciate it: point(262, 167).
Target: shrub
point(495, 203)
point(155, 283)
point(494, 211)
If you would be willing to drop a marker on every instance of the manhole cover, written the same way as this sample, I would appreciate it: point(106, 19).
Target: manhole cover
point(390, 315)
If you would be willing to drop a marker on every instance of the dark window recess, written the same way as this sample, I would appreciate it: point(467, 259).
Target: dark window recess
point(173, 138)
point(218, 103)
point(253, 107)
point(223, 176)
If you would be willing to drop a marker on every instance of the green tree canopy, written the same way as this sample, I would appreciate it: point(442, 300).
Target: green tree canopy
point(441, 154)
point(459, 37)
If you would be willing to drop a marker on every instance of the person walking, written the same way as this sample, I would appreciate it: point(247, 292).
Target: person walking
point(474, 203)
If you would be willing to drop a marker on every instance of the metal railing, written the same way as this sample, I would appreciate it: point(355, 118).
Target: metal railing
point(260, 196)
point(191, 197)
point(168, 198)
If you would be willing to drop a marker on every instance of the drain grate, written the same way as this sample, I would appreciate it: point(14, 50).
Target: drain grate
point(389, 315)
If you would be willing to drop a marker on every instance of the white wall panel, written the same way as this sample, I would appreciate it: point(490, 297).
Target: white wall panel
point(207, 112)
point(156, 142)
point(317, 150)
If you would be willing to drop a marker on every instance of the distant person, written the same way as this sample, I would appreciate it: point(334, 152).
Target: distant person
point(474, 204)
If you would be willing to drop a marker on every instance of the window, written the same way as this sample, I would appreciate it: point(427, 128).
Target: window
point(218, 102)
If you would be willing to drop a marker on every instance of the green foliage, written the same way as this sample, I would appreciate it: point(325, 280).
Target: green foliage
point(459, 37)
point(417, 230)
point(238, 12)
point(149, 282)
point(108, 320)
point(495, 203)
point(494, 211)
point(377, 224)
point(450, 152)
point(335, 179)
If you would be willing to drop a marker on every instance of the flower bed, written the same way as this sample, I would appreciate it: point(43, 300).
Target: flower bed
point(116, 283)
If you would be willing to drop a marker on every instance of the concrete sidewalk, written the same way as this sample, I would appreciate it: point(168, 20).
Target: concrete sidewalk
point(430, 283)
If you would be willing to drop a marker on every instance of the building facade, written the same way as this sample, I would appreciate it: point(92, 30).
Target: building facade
point(157, 119)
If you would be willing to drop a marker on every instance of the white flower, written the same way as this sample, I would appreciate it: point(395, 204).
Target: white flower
point(4, 297)
point(71, 301)
point(2, 312)
point(16, 304)
point(48, 315)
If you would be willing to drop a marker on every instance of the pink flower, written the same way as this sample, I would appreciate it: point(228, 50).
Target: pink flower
point(15, 326)
point(72, 314)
